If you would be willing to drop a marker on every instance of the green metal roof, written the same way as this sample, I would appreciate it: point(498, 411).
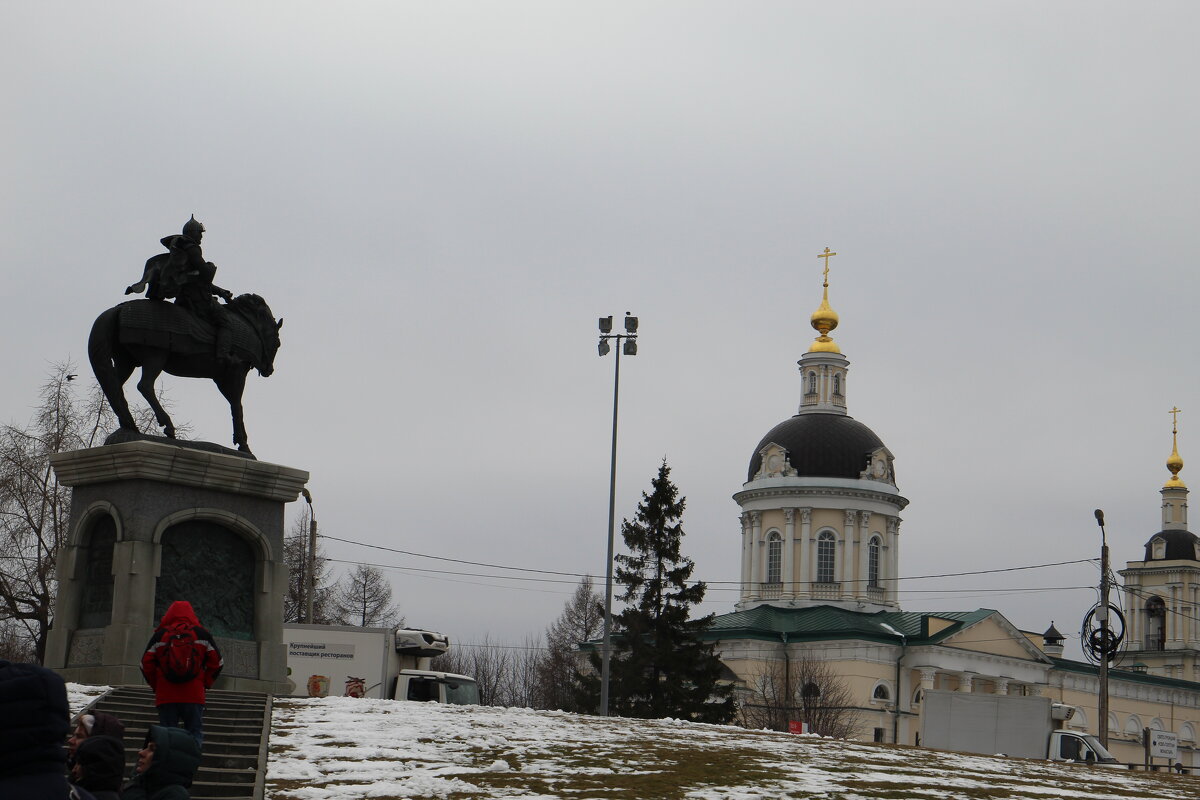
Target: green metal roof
point(829, 622)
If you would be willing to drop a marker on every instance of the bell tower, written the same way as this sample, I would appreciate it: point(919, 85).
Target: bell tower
point(1162, 589)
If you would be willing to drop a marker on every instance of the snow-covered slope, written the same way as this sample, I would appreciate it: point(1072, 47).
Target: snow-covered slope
point(340, 748)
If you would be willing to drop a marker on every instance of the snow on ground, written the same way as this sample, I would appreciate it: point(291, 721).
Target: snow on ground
point(340, 748)
point(79, 695)
point(345, 749)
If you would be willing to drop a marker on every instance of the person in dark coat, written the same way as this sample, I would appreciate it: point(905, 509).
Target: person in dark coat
point(165, 766)
point(34, 721)
point(100, 766)
point(181, 701)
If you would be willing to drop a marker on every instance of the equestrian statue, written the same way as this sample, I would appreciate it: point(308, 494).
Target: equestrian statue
point(193, 337)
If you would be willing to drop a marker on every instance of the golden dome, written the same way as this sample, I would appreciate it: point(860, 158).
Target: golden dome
point(1174, 462)
point(824, 319)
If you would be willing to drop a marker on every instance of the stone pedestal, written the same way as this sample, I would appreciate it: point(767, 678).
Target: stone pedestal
point(152, 523)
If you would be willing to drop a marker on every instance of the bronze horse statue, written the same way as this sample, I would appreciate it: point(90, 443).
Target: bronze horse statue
point(165, 337)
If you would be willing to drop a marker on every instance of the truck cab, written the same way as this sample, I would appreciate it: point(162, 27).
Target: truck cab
point(1082, 747)
point(425, 686)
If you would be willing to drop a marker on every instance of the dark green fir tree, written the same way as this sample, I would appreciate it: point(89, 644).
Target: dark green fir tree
point(659, 667)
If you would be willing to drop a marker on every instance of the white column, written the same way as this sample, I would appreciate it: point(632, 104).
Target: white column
point(808, 560)
point(755, 556)
point(789, 553)
point(746, 551)
point(965, 681)
point(1171, 621)
point(893, 534)
point(864, 554)
point(847, 565)
point(1001, 685)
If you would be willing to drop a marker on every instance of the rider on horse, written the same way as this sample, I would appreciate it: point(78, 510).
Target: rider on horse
point(182, 273)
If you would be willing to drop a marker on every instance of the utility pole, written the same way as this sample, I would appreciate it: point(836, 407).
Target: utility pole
point(1105, 634)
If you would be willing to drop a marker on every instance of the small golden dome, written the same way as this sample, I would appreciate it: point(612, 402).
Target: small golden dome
point(824, 319)
point(1174, 462)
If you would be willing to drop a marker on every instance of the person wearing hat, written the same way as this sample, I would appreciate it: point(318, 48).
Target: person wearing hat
point(100, 766)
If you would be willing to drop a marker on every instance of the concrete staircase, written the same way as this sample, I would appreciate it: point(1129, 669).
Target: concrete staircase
point(236, 727)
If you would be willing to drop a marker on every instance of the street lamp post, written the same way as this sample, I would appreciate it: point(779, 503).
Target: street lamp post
point(311, 578)
point(630, 348)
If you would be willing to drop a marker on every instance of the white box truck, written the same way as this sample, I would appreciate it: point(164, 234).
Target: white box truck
point(382, 663)
point(991, 724)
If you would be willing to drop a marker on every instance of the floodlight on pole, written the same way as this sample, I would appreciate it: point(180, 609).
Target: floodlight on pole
point(630, 348)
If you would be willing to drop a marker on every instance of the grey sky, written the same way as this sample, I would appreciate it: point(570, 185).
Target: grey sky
point(441, 198)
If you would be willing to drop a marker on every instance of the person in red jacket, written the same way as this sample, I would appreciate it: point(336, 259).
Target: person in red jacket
point(181, 663)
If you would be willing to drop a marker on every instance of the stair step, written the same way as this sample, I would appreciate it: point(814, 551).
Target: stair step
point(233, 730)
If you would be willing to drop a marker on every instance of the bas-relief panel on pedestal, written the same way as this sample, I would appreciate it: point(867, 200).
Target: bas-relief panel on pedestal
point(85, 648)
point(240, 657)
point(213, 568)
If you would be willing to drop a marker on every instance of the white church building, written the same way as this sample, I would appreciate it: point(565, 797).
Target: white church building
point(820, 555)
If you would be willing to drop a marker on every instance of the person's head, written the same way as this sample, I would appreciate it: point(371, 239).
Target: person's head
point(179, 611)
point(193, 229)
point(97, 724)
point(99, 763)
point(81, 731)
point(169, 756)
point(34, 720)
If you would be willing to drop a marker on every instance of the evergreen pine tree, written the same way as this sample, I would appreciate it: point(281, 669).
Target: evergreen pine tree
point(659, 667)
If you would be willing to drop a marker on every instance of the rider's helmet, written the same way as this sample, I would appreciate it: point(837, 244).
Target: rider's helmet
point(192, 228)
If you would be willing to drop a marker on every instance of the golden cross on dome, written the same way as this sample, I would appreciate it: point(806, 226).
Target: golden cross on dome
point(1174, 412)
point(826, 256)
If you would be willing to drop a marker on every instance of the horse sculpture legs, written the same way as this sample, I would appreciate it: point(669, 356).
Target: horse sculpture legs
point(231, 384)
point(152, 367)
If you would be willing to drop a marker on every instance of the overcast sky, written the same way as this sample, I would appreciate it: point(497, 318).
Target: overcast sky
point(441, 198)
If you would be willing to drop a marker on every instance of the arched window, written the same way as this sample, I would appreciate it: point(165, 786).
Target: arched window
point(881, 692)
point(812, 382)
point(837, 384)
point(1133, 727)
point(826, 544)
point(917, 696)
point(1187, 733)
point(810, 691)
point(1113, 725)
point(1156, 615)
point(873, 562)
point(774, 557)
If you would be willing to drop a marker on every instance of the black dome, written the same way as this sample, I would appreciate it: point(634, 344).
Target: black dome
point(1180, 545)
point(821, 445)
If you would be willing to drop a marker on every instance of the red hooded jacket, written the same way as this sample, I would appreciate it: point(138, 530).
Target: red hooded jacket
point(166, 691)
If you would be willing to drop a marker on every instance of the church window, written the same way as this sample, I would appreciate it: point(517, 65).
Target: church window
point(881, 692)
point(826, 544)
point(774, 557)
point(812, 382)
point(1156, 617)
point(837, 384)
point(873, 562)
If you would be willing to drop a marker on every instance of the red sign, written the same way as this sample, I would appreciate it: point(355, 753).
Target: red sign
point(796, 726)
